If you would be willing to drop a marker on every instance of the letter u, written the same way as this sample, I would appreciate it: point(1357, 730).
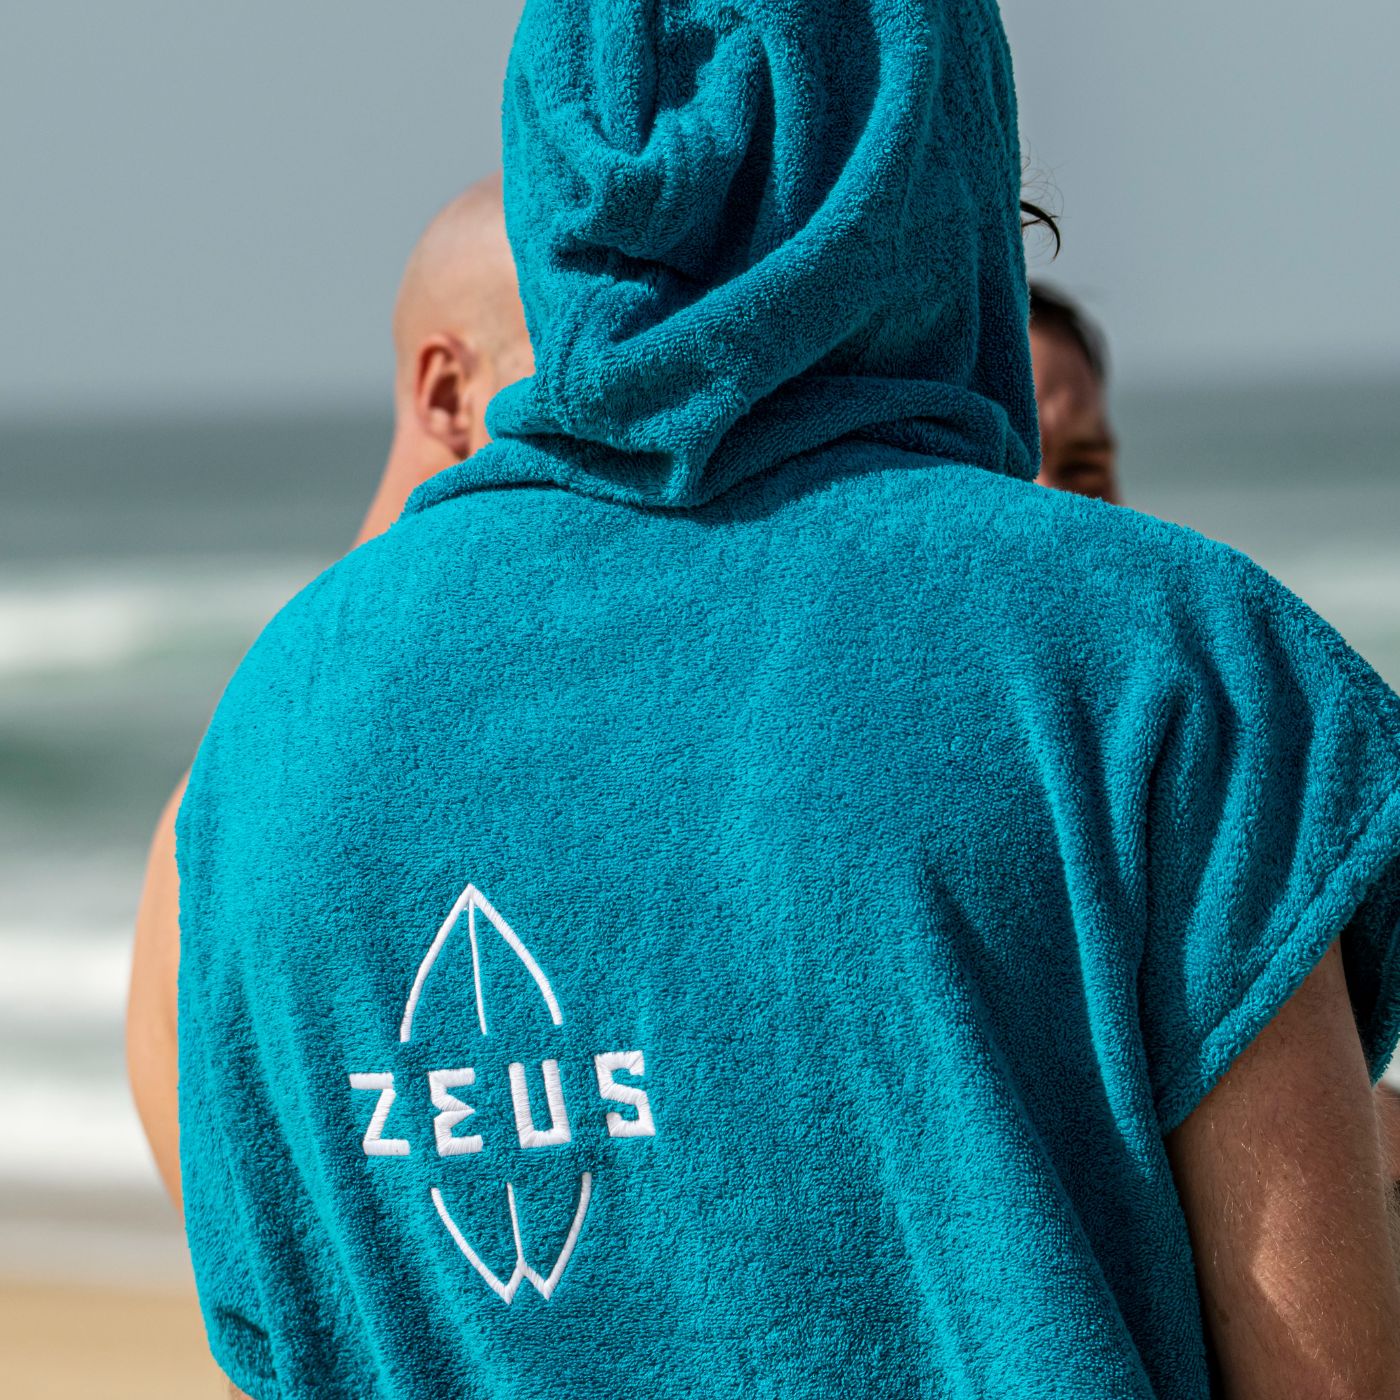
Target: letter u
point(558, 1130)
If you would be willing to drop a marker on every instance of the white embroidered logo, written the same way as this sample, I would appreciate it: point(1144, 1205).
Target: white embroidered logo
point(470, 900)
point(453, 1111)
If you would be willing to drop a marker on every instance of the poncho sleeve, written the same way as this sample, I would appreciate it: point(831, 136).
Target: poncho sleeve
point(1273, 831)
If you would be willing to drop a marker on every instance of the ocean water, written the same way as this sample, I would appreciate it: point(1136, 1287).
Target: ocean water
point(139, 559)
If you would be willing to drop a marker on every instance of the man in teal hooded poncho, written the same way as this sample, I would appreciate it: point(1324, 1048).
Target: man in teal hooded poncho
point(740, 893)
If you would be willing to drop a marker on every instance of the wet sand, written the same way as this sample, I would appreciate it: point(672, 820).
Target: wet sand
point(62, 1342)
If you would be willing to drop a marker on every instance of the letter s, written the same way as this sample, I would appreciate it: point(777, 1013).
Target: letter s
point(607, 1066)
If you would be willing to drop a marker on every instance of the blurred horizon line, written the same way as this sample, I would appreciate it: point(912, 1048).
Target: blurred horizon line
point(260, 406)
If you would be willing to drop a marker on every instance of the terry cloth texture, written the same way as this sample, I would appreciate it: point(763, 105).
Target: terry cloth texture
point(741, 924)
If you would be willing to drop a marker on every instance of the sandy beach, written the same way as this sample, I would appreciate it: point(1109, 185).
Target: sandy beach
point(96, 1296)
point(61, 1342)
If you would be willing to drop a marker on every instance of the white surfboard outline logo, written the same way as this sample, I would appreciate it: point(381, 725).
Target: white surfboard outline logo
point(470, 901)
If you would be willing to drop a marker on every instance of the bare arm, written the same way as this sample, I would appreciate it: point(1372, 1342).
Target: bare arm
point(1388, 1106)
point(151, 1059)
point(1282, 1177)
point(151, 1018)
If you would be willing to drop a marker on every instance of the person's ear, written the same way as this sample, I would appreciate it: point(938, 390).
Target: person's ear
point(447, 397)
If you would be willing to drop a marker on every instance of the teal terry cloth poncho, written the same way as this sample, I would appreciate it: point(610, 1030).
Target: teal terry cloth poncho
point(725, 898)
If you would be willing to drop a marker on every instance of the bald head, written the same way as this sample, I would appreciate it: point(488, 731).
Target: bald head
point(460, 279)
point(459, 338)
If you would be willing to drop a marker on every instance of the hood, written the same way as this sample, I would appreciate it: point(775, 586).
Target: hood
point(748, 229)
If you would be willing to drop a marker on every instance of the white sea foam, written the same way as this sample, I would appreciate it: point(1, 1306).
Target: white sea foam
point(69, 1119)
point(89, 621)
point(65, 1133)
point(62, 982)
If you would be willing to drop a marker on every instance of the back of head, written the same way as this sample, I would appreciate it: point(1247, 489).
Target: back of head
point(460, 279)
point(1054, 313)
point(459, 336)
point(749, 230)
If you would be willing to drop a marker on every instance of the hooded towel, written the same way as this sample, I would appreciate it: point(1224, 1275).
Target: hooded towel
point(726, 897)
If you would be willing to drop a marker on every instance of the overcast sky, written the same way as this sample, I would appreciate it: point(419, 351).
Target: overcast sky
point(210, 205)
